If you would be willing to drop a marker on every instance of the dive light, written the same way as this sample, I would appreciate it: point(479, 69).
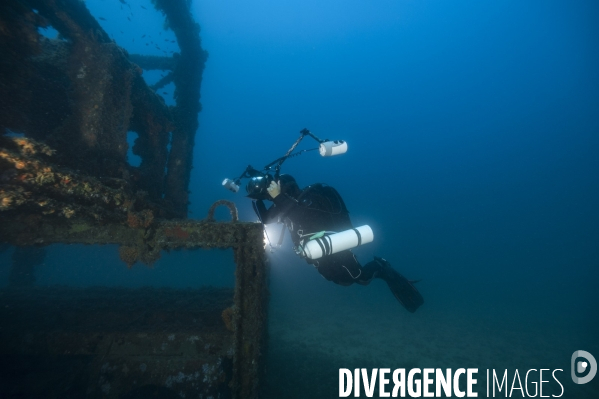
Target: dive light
point(231, 185)
point(331, 148)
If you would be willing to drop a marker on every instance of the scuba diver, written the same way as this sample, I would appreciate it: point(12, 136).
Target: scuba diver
point(320, 208)
point(319, 223)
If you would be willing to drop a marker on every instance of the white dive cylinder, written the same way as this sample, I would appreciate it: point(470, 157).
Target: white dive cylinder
point(330, 148)
point(333, 243)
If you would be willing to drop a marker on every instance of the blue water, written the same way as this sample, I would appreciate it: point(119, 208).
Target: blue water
point(473, 131)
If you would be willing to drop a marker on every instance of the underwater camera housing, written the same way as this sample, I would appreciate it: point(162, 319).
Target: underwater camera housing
point(257, 187)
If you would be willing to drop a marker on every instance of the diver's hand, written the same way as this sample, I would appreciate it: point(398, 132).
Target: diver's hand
point(274, 189)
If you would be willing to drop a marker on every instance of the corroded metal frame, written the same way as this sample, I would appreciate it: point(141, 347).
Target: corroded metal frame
point(251, 275)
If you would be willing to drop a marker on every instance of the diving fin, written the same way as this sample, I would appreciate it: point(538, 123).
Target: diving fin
point(402, 289)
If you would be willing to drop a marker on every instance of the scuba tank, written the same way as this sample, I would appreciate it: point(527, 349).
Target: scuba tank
point(322, 244)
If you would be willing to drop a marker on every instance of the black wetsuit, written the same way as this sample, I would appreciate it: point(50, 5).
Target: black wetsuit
point(319, 208)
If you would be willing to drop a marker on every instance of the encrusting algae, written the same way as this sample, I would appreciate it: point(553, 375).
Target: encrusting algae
point(31, 182)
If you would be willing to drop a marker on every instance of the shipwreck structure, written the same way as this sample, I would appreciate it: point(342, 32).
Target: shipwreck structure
point(66, 107)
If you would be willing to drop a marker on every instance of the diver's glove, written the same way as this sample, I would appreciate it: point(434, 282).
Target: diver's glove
point(274, 189)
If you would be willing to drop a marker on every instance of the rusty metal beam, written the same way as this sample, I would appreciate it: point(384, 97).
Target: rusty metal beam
point(164, 234)
point(187, 77)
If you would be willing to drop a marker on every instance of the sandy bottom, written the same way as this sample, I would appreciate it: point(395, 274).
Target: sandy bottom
point(316, 328)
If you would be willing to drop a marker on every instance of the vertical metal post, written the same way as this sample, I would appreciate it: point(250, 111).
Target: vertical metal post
point(251, 303)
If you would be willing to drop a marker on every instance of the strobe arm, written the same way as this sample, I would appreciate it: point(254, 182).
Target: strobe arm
point(326, 148)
